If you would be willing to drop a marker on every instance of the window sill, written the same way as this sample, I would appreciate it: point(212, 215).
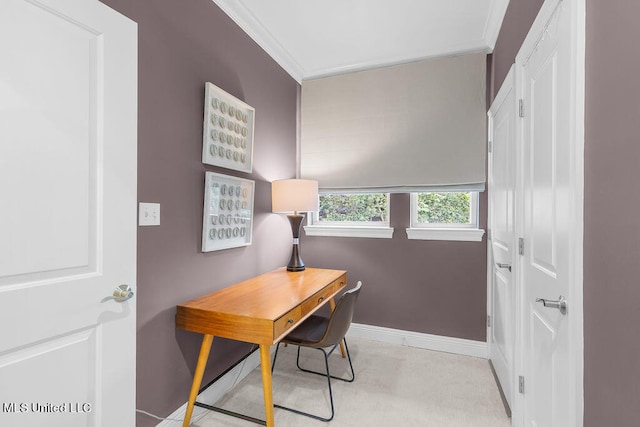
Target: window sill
point(453, 234)
point(349, 231)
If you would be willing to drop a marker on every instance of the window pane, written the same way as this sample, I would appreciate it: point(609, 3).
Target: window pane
point(354, 208)
point(444, 208)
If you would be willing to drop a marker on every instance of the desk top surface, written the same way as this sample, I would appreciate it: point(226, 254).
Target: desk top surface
point(267, 296)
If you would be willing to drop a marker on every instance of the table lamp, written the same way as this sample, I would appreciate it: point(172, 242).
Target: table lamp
point(294, 195)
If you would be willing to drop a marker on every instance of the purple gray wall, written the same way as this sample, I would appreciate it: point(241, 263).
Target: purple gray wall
point(518, 18)
point(611, 230)
point(611, 226)
point(181, 46)
point(432, 287)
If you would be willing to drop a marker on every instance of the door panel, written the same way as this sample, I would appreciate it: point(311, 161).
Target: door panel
point(44, 367)
point(542, 335)
point(68, 184)
point(501, 329)
point(501, 183)
point(543, 163)
point(51, 133)
point(540, 265)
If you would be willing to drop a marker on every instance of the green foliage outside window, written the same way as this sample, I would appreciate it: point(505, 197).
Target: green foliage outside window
point(354, 207)
point(444, 208)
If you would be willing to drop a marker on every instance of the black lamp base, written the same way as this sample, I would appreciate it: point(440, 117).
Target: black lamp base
point(295, 263)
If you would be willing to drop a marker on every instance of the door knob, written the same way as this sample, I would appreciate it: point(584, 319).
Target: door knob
point(122, 293)
point(503, 265)
point(560, 304)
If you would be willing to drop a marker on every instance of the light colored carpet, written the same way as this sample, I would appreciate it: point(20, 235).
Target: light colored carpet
point(395, 386)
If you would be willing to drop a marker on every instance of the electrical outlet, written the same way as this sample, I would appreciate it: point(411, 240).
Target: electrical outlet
point(149, 214)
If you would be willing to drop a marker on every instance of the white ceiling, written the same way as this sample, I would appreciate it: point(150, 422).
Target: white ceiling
point(311, 39)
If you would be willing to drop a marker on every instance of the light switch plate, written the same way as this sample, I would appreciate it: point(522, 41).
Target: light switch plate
point(149, 214)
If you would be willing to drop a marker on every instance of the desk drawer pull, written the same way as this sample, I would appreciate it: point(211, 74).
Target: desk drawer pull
point(286, 322)
point(320, 299)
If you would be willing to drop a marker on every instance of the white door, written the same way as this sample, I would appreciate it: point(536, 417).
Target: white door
point(68, 112)
point(552, 217)
point(501, 181)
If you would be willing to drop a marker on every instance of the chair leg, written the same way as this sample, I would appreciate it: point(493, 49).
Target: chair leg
point(275, 356)
point(328, 375)
point(348, 380)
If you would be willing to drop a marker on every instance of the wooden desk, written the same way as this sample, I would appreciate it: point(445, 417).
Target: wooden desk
point(261, 310)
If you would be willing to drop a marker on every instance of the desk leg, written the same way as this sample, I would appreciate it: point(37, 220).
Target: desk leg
point(197, 377)
point(332, 304)
point(265, 363)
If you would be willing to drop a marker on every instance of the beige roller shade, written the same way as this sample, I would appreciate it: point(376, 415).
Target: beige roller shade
point(411, 127)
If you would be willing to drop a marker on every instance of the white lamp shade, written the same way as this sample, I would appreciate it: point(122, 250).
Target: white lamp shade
point(294, 195)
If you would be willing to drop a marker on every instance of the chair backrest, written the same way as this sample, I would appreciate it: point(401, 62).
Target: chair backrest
point(341, 317)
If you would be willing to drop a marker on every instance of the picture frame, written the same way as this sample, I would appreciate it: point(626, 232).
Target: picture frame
point(227, 220)
point(227, 136)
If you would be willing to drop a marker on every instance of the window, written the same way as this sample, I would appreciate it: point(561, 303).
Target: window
point(434, 216)
point(360, 209)
point(351, 215)
point(444, 209)
point(444, 216)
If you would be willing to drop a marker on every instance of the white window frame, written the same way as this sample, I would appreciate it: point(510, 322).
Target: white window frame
point(439, 231)
point(369, 229)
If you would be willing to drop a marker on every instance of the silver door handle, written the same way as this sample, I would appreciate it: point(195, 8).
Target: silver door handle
point(560, 304)
point(503, 265)
point(122, 293)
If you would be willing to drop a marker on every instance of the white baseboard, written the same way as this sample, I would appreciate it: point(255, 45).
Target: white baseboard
point(357, 330)
point(217, 390)
point(416, 339)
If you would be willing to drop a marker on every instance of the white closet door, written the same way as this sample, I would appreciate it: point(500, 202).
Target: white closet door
point(501, 180)
point(551, 217)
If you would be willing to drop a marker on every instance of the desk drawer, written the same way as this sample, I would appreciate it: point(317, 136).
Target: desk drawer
point(322, 296)
point(284, 323)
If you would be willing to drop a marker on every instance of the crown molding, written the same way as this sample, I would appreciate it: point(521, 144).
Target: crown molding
point(262, 36)
point(497, 10)
point(390, 61)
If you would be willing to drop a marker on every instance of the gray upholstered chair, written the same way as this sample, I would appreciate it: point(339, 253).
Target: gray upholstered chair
point(320, 332)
